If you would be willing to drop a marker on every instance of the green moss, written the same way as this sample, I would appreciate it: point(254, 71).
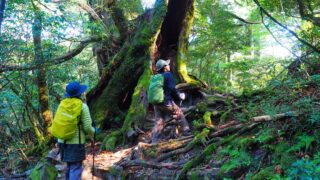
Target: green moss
point(109, 143)
point(207, 118)
point(151, 152)
point(215, 98)
point(264, 174)
point(44, 170)
point(201, 107)
point(183, 47)
point(137, 110)
point(247, 142)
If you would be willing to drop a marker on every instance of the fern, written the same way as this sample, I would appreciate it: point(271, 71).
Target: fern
point(304, 141)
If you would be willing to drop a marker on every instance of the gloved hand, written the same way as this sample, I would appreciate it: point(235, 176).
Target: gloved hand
point(182, 96)
point(96, 130)
point(94, 123)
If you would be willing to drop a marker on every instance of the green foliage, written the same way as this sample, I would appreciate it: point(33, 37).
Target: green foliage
point(267, 136)
point(247, 142)
point(303, 142)
point(282, 156)
point(44, 170)
point(237, 157)
point(305, 169)
point(264, 174)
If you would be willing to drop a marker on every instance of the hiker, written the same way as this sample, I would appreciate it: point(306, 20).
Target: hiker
point(168, 106)
point(72, 150)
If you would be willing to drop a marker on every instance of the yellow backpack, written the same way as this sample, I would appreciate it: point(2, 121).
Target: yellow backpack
point(65, 122)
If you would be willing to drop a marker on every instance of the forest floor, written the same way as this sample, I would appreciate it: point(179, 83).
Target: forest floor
point(272, 133)
point(268, 134)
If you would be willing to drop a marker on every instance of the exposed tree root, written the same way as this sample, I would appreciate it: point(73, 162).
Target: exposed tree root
point(209, 149)
point(146, 151)
point(151, 156)
point(196, 140)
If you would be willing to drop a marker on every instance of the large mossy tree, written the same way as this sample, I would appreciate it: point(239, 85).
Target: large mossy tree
point(119, 99)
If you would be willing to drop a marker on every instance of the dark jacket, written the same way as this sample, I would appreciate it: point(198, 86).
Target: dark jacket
point(72, 152)
point(169, 87)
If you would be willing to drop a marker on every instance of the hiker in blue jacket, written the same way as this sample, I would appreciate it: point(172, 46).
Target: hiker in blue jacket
point(168, 107)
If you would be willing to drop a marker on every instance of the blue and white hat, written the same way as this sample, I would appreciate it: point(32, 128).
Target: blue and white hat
point(161, 63)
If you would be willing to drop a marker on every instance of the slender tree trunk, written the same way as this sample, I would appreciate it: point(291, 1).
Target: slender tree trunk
point(2, 7)
point(41, 72)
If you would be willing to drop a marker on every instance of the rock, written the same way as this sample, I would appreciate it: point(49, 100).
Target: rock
point(54, 156)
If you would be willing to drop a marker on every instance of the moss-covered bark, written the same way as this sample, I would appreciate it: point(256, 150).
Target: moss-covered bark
point(137, 112)
point(183, 43)
point(109, 103)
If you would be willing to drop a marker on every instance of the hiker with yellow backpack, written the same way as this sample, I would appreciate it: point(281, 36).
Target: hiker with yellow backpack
point(71, 124)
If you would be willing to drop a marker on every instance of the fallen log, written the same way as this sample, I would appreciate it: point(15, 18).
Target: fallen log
point(148, 164)
point(274, 117)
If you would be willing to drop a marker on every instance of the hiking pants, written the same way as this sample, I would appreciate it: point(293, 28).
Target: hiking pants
point(74, 170)
point(166, 112)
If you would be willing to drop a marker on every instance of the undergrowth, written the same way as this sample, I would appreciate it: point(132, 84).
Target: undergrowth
point(282, 149)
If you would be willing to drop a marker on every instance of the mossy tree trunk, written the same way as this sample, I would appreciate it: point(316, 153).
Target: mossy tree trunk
point(119, 99)
point(41, 72)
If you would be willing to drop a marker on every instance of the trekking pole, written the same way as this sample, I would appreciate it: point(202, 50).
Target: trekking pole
point(93, 148)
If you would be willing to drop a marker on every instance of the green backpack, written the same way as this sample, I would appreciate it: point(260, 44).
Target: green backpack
point(66, 120)
point(155, 92)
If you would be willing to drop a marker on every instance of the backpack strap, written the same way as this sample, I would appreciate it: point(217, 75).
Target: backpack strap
point(79, 129)
point(79, 122)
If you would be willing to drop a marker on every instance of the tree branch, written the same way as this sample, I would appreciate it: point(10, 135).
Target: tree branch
point(118, 18)
point(304, 15)
point(86, 7)
point(286, 28)
point(4, 67)
point(242, 20)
